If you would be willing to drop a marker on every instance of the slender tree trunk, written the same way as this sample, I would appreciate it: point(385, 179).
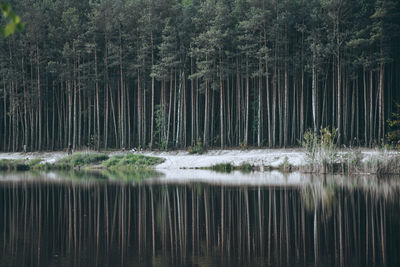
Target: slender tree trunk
point(139, 112)
point(39, 98)
point(371, 109)
point(122, 84)
point(75, 121)
point(193, 108)
point(79, 130)
point(314, 96)
point(260, 107)
point(246, 130)
point(353, 108)
point(97, 99)
point(25, 104)
point(169, 108)
point(221, 104)
point(339, 103)
point(365, 109)
point(152, 95)
point(69, 89)
point(206, 107)
point(381, 127)
point(179, 111)
point(268, 100)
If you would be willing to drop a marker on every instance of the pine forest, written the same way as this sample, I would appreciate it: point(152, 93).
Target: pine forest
point(170, 74)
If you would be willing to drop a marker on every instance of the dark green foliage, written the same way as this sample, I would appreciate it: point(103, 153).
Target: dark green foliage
point(13, 21)
point(393, 136)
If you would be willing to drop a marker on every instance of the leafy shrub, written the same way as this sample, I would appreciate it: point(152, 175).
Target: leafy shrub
point(198, 148)
point(393, 136)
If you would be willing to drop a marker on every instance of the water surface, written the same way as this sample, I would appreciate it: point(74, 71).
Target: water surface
point(80, 219)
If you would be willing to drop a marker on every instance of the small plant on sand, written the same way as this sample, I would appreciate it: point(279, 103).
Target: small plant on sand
point(198, 148)
point(321, 150)
point(285, 166)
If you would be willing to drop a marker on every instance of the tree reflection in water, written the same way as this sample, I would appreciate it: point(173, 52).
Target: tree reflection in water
point(111, 224)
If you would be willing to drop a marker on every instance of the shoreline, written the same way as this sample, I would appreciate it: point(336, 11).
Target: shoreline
point(262, 159)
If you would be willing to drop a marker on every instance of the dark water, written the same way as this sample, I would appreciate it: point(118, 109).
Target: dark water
point(318, 223)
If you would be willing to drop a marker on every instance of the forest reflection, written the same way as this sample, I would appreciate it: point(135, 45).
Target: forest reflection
point(112, 224)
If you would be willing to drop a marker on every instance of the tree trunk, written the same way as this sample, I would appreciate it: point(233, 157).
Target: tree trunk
point(246, 130)
point(122, 112)
point(75, 121)
point(97, 99)
point(206, 104)
point(39, 98)
point(314, 97)
point(152, 95)
point(365, 109)
point(381, 127)
point(260, 107)
point(221, 104)
point(371, 109)
point(339, 103)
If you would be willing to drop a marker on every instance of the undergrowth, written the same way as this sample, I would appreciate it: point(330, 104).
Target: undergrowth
point(323, 156)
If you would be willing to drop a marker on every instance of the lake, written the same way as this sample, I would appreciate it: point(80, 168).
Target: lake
point(262, 219)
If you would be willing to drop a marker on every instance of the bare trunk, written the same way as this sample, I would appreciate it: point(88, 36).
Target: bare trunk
point(39, 98)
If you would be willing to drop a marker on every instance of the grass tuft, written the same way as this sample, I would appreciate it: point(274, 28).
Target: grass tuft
point(81, 159)
point(131, 161)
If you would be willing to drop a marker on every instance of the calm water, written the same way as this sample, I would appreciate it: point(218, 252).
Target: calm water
point(56, 220)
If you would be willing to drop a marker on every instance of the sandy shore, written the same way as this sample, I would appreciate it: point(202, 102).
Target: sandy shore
point(183, 160)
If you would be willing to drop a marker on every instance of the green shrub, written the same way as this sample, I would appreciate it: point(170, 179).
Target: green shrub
point(34, 163)
point(198, 148)
point(222, 167)
point(245, 167)
point(285, 166)
point(228, 167)
point(393, 136)
point(131, 161)
point(81, 159)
